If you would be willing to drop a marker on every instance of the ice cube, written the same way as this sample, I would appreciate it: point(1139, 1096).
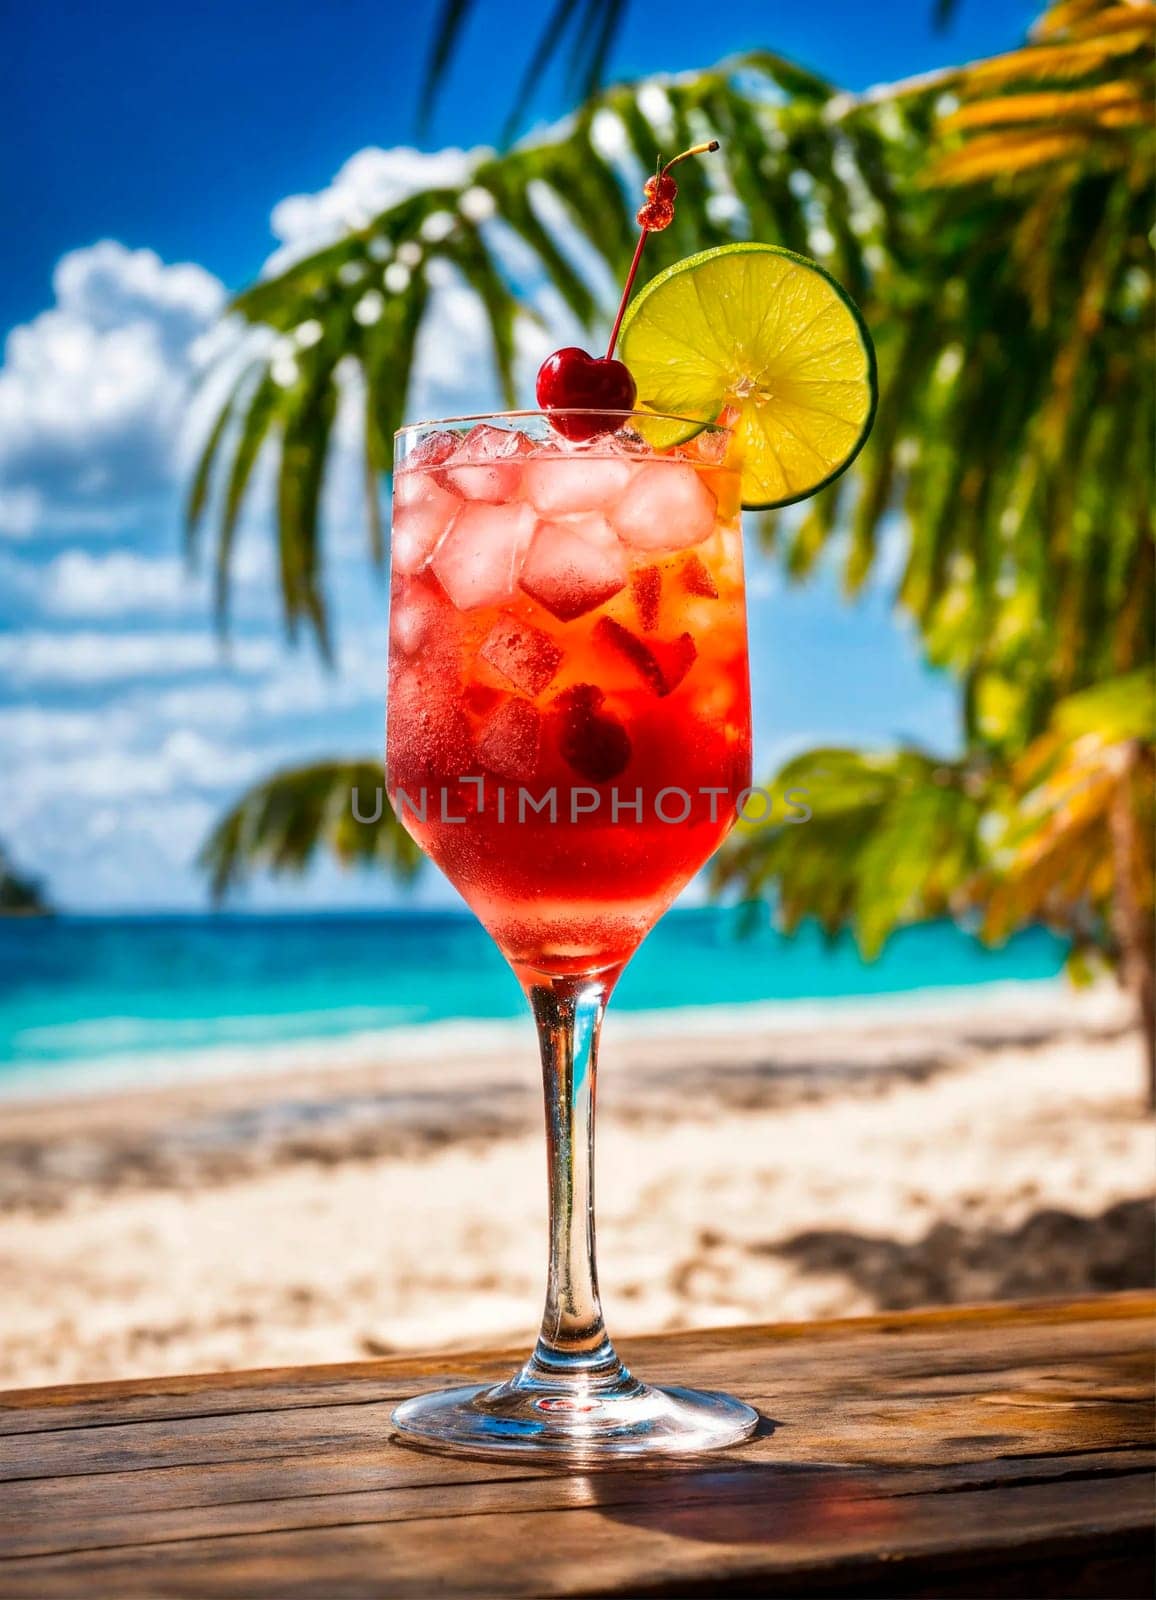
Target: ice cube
point(478, 560)
point(668, 507)
point(427, 733)
point(487, 464)
point(646, 588)
point(525, 655)
point(570, 570)
point(510, 741)
point(561, 486)
point(413, 616)
point(422, 513)
point(594, 744)
point(710, 445)
point(696, 578)
point(626, 442)
point(661, 663)
point(432, 451)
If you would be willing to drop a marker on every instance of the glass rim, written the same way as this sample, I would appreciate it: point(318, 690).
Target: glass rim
point(622, 417)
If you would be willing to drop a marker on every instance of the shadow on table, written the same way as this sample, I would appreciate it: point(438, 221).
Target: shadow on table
point(748, 1503)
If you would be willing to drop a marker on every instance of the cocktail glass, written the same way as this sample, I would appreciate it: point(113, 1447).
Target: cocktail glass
point(568, 739)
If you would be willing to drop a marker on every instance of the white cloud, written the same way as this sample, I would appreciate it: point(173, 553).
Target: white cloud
point(368, 183)
point(81, 584)
point(93, 391)
point(85, 659)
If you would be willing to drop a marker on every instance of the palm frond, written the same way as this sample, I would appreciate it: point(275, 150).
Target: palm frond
point(581, 31)
point(1055, 857)
point(359, 305)
point(893, 838)
point(281, 823)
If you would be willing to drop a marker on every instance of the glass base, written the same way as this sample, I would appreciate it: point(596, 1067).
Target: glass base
point(535, 1414)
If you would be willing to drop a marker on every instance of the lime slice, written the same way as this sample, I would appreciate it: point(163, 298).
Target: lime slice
point(770, 334)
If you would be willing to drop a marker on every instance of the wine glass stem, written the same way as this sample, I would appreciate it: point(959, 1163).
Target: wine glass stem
point(573, 1341)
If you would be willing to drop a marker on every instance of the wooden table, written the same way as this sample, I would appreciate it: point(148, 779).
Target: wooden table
point(948, 1453)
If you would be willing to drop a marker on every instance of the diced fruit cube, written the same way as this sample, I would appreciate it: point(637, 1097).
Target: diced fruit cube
point(561, 486)
point(478, 560)
point(594, 744)
point(481, 698)
point(427, 732)
point(570, 571)
point(668, 507)
point(510, 740)
point(661, 663)
point(525, 655)
point(422, 513)
point(488, 464)
point(696, 578)
point(646, 588)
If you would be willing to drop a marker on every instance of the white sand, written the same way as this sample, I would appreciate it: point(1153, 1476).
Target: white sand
point(888, 1158)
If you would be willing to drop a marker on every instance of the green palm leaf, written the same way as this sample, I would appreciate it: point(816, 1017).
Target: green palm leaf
point(360, 303)
point(281, 823)
point(893, 838)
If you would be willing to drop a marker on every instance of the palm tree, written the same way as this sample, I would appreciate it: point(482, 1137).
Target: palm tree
point(1029, 499)
point(993, 223)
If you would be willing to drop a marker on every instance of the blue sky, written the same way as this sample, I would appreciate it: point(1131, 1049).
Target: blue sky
point(149, 159)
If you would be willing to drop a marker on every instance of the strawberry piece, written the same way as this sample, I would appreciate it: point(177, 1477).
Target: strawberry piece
point(662, 664)
point(696, 578)
point(646, 588)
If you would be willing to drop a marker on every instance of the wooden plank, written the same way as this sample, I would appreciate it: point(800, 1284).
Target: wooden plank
point(343, 1493)
point(202, 1393)
point(925, 1395)
point(1004, 1444)
point(775, 1539)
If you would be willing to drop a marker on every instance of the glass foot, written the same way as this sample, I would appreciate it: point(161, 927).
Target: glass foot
point(571, 1422)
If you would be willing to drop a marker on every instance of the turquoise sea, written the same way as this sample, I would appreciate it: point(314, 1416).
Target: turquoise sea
point(80, 993)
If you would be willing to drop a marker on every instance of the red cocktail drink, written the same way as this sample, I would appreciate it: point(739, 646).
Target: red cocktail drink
point(569, 739)
point(569, 717)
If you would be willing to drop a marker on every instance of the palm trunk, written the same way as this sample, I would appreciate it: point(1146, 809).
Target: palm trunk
point(1132, 923)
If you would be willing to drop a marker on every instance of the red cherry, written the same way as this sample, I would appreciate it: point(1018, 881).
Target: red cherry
point(662, 187)
point(655, 215)
point(571, 380)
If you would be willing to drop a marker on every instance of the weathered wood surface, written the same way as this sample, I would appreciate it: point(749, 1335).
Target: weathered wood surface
point(984, 1451)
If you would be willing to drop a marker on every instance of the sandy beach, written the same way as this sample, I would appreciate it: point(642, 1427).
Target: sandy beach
point(752, 1166)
